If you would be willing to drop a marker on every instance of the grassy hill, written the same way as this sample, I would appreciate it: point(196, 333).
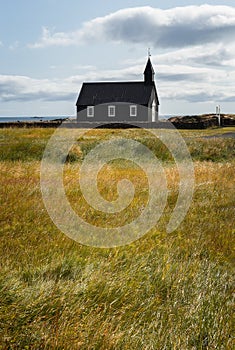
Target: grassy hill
point(164, 291)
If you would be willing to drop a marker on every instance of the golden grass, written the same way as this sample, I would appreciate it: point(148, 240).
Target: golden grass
point(164, 291)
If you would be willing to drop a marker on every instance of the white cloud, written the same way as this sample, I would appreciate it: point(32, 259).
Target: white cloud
point(194, 63)
point(193, 74)
point(196, 74)
point(176, 27)
point(174, 81)
point(56, 39)
point(209, 55)
point(23, 88)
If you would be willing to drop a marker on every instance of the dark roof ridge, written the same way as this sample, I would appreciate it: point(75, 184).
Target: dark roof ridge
point(113, 82)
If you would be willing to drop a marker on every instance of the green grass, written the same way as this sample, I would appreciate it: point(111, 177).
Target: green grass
point(23, 144)
point(29, 144)
point(164, 291)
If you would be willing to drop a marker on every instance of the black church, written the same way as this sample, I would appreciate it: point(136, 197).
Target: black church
point(119, 102)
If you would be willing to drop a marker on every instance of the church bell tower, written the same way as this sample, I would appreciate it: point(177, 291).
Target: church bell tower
point(149, 73)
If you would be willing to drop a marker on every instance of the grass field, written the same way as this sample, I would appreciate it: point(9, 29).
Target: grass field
point(164, 291)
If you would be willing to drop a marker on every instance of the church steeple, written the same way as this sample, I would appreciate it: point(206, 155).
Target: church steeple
point(149, 73)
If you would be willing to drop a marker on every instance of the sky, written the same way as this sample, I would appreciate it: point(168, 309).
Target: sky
point(48, 48)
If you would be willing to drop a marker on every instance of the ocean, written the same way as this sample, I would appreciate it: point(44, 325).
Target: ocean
point(30, 119)
point(47, 118)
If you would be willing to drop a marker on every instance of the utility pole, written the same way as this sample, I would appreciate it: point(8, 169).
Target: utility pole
point(218, 114)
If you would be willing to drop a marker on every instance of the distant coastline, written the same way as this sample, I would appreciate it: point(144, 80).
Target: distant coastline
point(15, 119)
point(203, 121)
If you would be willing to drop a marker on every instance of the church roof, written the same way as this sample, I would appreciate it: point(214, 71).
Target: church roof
point(105, 92)
point(136, 92)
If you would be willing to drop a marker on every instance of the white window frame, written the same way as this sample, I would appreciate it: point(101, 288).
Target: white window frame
point(90, 111)
point(110, 109)
point(133, 114)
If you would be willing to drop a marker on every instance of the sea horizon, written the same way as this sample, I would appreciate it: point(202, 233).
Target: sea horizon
point(5, 119)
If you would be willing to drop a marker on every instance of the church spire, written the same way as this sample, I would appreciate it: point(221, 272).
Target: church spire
point(149, 73)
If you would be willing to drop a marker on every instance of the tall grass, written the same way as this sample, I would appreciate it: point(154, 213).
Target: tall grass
point(164, 291)
point(29, 144)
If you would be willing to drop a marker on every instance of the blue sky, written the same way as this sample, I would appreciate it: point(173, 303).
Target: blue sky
point(48, 48)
